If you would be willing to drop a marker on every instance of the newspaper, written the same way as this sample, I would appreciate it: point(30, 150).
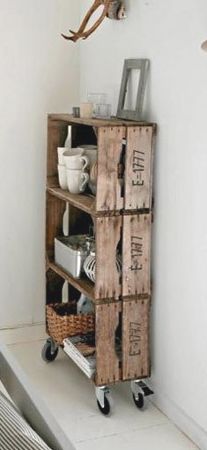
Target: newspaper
point(86, 363)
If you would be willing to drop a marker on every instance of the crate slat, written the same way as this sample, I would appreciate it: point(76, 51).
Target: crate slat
point(135, 339)
point(54, 285)
point(108, 235)
point(139, 168)
point(109, 196)
point(107, 362)
point(57, 133)
point(54, 214)
point(136, 254)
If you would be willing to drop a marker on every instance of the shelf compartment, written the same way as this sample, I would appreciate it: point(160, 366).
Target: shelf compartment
point(81, 284)
point(79, 221)
point(124, 164)
point(108, 240)
point(135, 338)
point(135, 247)
point(109, 197)
point(85, 203)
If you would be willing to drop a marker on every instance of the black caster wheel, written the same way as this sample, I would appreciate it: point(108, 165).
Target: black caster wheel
point(106, 409)
point(48, 353)
point(139, 402)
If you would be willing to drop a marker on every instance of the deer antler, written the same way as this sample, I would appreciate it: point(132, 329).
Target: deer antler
point(81, 33)
point(204, 46)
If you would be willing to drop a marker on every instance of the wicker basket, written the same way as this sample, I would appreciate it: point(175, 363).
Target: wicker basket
point(62, 321)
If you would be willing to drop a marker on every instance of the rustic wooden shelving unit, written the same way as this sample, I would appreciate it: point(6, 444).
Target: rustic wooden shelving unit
point(121, 212)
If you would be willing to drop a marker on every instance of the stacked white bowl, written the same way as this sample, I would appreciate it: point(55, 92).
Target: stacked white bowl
point(71, 169)
point(74, 164)
point(62, 175)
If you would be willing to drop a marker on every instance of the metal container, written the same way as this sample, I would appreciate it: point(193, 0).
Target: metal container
point(70, 253)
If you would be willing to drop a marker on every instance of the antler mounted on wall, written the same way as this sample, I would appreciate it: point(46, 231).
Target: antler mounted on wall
point(204, 46)
point(114, 9)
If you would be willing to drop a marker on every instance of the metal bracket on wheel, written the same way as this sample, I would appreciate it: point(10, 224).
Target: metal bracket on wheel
point(53, 345)
point(139, 387)
point(100, 394)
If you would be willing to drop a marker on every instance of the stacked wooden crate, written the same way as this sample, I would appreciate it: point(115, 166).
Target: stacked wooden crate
point(121, 214)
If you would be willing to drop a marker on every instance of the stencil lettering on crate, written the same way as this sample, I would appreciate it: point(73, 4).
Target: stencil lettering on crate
point(135, 338)
point(136, 252)
point(138, 168)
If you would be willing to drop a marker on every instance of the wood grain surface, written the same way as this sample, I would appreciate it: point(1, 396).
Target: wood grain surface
point(109, 195)
point(136, 254)
point(139, 168)
point(57, 133)
point(108, 235)
point(107, 362)
point(135, 339)
point(113, 121)
point(54, 216)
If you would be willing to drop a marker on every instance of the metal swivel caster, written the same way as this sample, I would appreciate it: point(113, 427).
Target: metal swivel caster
point(49, 351)
point(139, 391)
point(103, 400)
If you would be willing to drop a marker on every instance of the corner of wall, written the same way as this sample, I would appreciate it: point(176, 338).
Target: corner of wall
point(178, 416)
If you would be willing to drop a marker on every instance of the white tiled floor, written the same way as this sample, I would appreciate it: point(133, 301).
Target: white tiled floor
point(71, 398)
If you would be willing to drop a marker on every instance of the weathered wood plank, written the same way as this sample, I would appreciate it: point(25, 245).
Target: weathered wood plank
point(54, 284)
point(57, 133)
point(54, 216)
point(135, 339)
point(136, 254)
point(113, 121)
point(109, 195)
point(107, 362)
point(139, 168)
point(108, 235)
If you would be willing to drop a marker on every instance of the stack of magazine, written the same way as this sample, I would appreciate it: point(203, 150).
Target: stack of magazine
point(86, 363)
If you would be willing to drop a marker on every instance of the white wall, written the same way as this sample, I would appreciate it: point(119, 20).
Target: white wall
point(169, 34)
point(39, 74)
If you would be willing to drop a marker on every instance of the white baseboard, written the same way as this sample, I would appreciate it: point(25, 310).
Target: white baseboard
point(185, 423)
point(26, 333)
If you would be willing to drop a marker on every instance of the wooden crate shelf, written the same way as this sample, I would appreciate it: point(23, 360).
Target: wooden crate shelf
point(121, 214)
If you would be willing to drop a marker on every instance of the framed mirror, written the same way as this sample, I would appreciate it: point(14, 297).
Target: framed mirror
point(133, 84)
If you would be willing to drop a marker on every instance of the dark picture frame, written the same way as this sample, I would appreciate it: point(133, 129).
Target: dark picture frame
point(141, 65)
